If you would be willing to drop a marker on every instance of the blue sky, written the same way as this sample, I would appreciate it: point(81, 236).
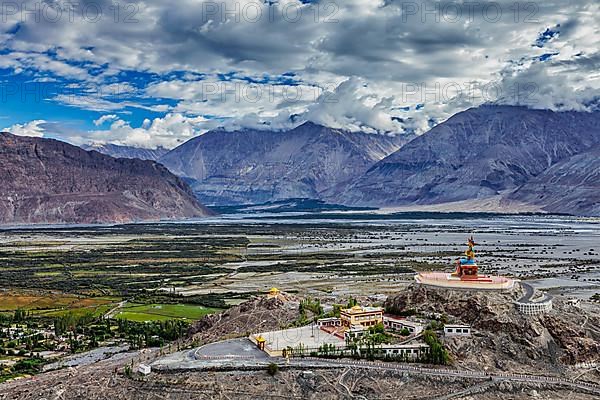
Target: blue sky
point(26, 96)
point(152, 73)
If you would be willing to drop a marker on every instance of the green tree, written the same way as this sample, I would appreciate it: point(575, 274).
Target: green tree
point(272, 369)
point(437, 353)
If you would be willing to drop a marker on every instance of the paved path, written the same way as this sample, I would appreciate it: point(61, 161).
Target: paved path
point(113, 312)
point(530, 292)
point(235, 348)
point(471, 390)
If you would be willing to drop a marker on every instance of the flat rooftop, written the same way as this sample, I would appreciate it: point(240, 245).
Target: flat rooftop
point(402, 320)
point(309, 336)
point(456, 326)
point(360, 310)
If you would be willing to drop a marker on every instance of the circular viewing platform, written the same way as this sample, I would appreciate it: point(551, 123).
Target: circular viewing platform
point(447, 280)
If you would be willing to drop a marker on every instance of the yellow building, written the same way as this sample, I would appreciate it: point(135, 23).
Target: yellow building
point(260, 342)
point(274, 292)
point(365, 316)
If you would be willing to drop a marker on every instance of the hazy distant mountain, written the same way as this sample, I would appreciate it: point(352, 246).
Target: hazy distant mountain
point(48, 181)
point(483, 152)
point(118, 151)
point(252, 166)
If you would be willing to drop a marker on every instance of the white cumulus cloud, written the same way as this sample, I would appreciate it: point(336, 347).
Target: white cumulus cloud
point(33, 128)
point(168, 132)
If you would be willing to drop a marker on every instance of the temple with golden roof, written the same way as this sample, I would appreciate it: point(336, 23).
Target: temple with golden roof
point(273, 293)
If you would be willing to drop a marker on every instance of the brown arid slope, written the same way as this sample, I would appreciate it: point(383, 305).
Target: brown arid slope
point(256, 315)
point(101, 382)
point(48, 181)
point(506, 340)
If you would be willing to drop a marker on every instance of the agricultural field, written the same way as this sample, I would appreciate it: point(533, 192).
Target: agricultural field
point(163, 312)
point(53, 304)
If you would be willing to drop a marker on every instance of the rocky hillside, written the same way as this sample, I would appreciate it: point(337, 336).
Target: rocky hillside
point(253, 166)
point(259, 314)
point(507, 340)
point(48, 181)
point(480, 153)
point(118, 151)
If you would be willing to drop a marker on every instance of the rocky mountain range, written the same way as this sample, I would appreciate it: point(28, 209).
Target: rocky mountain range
point(539, 157)
point(118, 151)
point(252, 166)
point(502, 155)
point(48, 181)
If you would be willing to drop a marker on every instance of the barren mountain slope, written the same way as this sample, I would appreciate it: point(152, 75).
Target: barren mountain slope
point(252, 166)
point(477, 154)
point(572, 185)
point(48, 181)
point(119, 151)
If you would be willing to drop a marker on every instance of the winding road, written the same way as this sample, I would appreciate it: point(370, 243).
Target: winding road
point(530, 292)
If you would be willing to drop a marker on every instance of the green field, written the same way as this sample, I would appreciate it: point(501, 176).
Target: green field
point(96, 311)
point(163, 312)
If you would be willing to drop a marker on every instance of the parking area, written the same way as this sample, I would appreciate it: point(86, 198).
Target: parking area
point(309, 337)
point(235, 348)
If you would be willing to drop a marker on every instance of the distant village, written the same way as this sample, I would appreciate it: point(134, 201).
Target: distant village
point(29, 345)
